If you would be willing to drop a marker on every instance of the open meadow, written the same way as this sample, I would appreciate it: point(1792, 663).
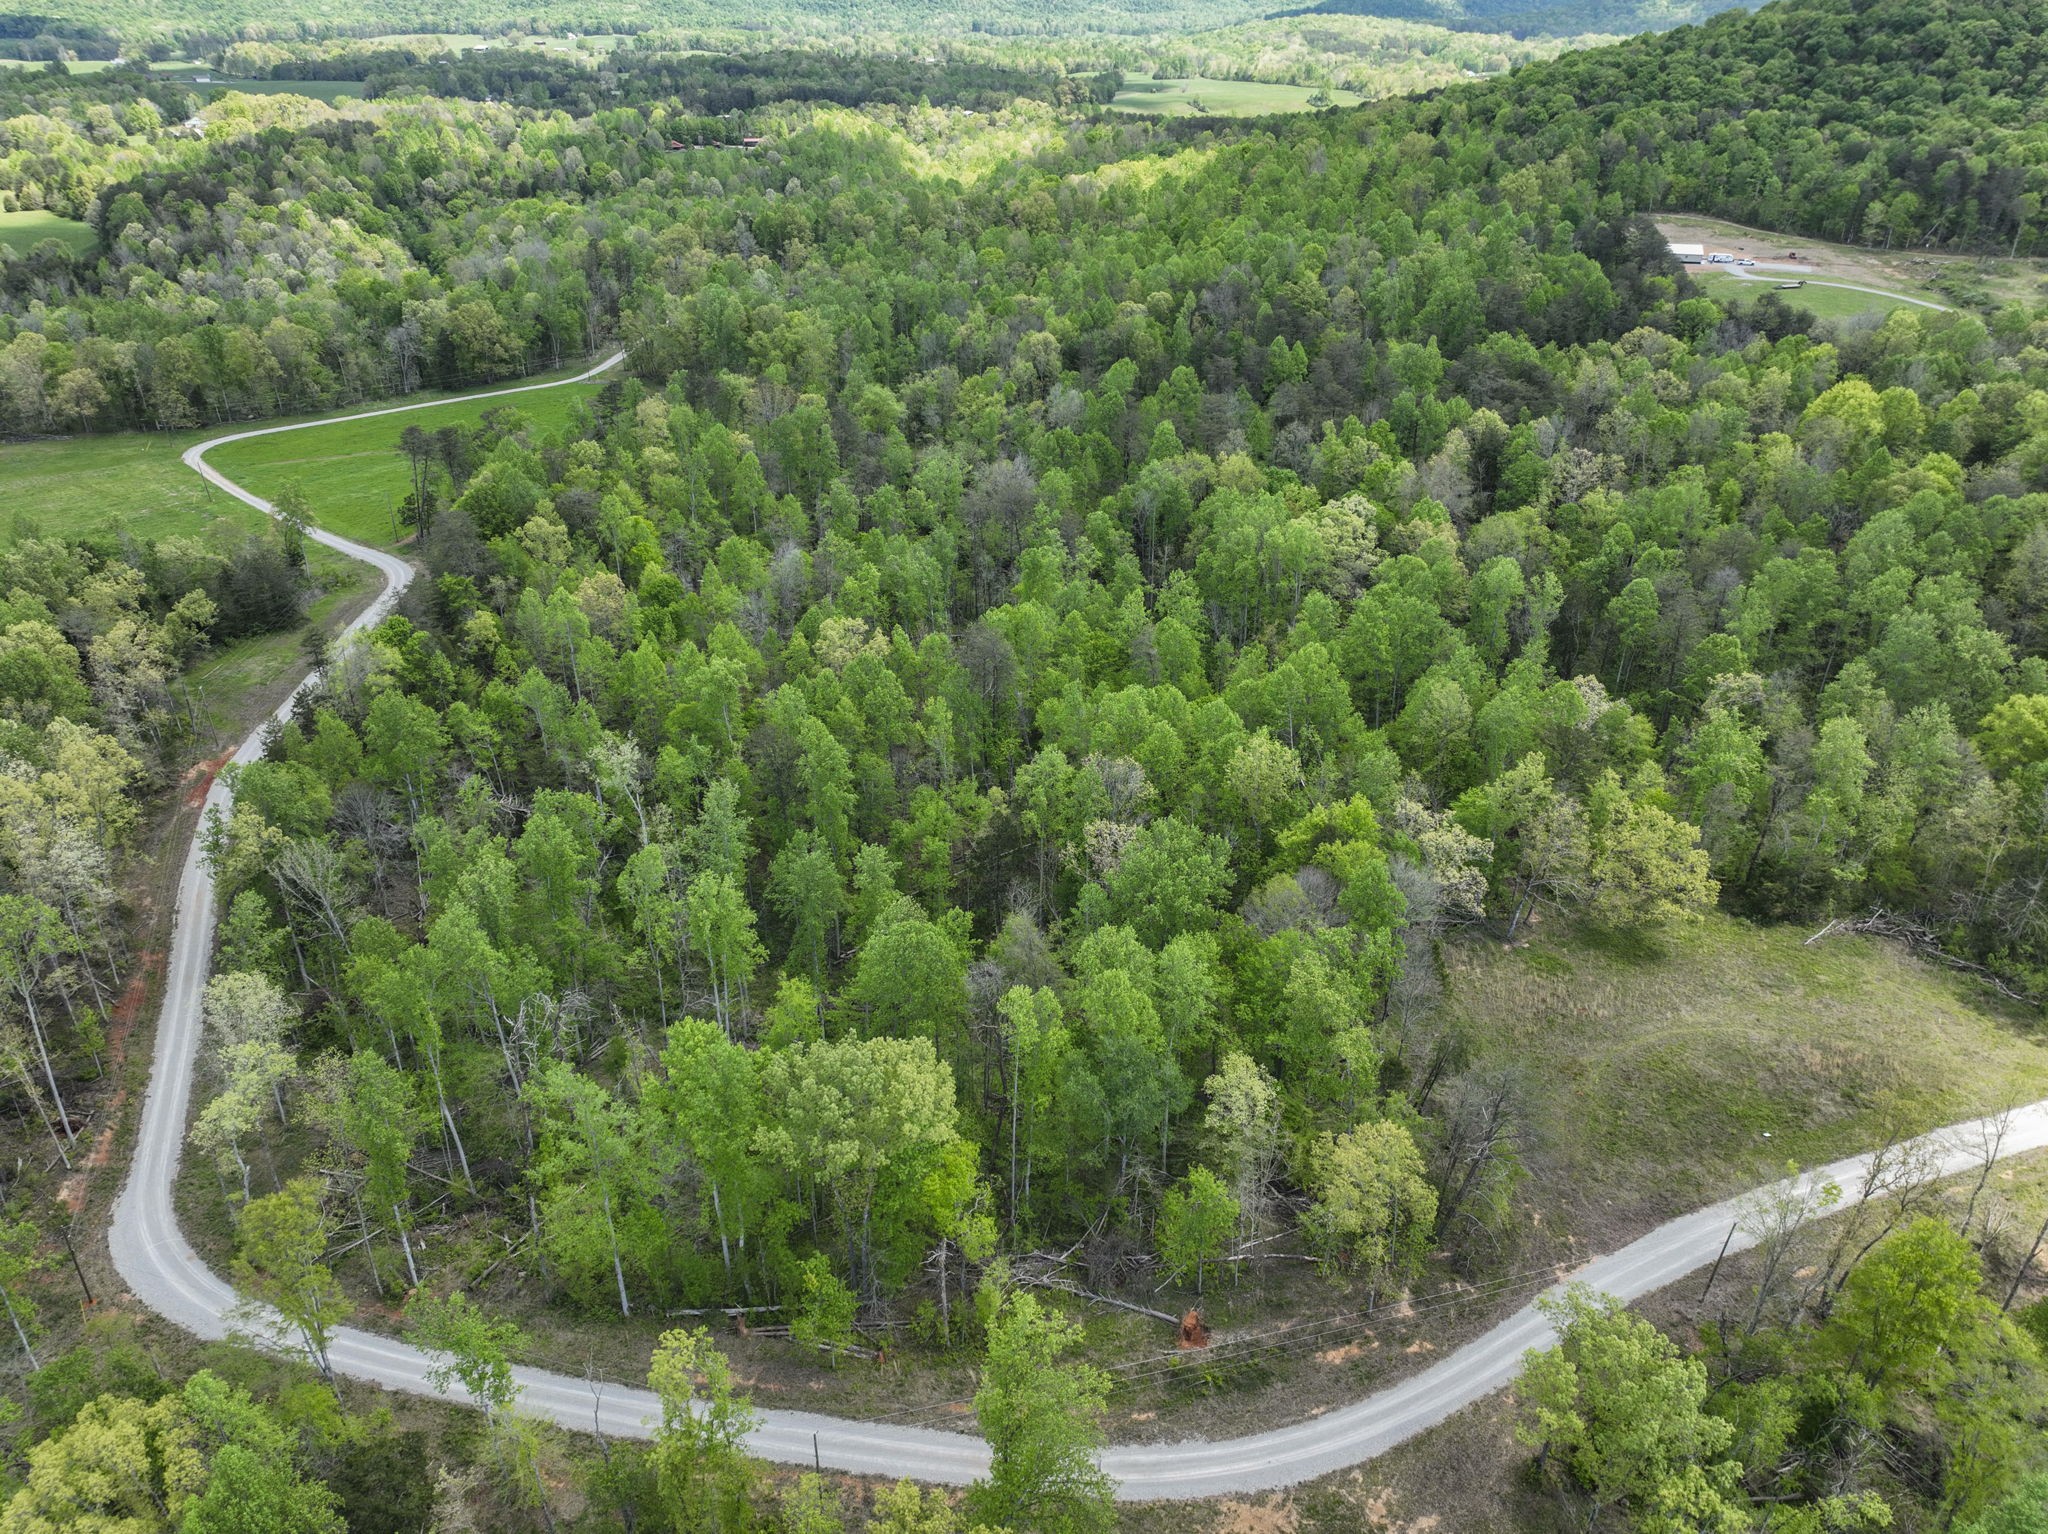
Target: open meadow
point(138, 480)
point(23, 230)
point(1199, 97)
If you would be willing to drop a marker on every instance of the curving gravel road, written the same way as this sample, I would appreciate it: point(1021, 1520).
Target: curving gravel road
point(164, 1272)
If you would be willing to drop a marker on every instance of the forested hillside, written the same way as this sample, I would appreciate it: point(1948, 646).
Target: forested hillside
point(1532, 18)
point(1886, 122)
point(979, 739)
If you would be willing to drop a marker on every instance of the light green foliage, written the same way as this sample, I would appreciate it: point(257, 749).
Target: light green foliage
point(2024, 1512)
point(700, 1467)
point(812, 1506)
point(1040, 1413)
point(824, 1312)
point(472, 1347)
point(1616, 1412)
point(1374, 1205)
point(867, 1124)
point(204, 1460)
point(281, 1246)
point(1908, 1310)
point(1643, 866)
point(1196, 1221)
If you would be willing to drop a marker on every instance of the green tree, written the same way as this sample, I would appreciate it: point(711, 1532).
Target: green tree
point(823, 1316)
point(1644, 866)
point(700, 1462)
point(722, 931)
point(1041, 1415)
point(281, 1247)
point(1374, 1203)
point(1195, 1224)
point(472, 1348)
point(1618, 1417)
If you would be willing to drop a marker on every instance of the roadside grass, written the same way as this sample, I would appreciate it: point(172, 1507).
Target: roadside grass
point(1822, 301)
point(1663, 1073)
point(353, 472)
point(23, 231)
point(219, 684)
point(1218, 98)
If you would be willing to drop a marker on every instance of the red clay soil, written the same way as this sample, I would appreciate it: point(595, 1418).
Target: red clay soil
point(121, 1020)
point(199, 778)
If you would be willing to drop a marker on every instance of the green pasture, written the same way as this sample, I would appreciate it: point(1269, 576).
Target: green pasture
point(354, 474)
point(137, 480)
point(1669, 1071)
point(22, 232)
point(1218, 98)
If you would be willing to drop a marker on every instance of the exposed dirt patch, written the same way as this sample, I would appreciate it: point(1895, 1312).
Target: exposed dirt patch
point(1276, 1516)
point(198, 779)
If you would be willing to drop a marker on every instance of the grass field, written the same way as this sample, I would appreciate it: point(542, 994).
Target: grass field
point(129, 479)
point(138, 480)
point(1822, 301)
point(354, 473)
point(22, 232)
point(1218, 98)
point(1667, 1073)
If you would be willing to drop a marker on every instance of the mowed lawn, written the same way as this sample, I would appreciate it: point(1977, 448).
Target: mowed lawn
point(1824, 302)
point(22, 232)
point(1666, 1073)
point(133, 480)
point(353, 472)
point(1218, 98)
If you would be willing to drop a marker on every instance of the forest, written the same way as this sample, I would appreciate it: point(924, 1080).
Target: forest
point(985, 737)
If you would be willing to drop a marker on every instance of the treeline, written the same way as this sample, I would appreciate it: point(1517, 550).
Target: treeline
point(712, 86)
point(203, 25)
point(1531, 18)
point(94, 634)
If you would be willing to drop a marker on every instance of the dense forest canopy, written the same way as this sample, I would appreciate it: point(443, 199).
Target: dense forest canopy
point(978, 736)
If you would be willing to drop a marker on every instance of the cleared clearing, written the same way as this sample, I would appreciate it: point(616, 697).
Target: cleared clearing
point(1198, 96)
point(1661, 1074)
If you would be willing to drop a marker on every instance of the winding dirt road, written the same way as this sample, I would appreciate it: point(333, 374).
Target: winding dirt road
point(161, 1268)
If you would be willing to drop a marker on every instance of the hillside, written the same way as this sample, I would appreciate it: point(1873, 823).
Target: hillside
point(1532, 18)
point(1888, 122)
point(1283, 717)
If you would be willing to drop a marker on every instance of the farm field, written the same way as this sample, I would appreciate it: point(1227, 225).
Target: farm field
point(21, 232)
point(1219, 98)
